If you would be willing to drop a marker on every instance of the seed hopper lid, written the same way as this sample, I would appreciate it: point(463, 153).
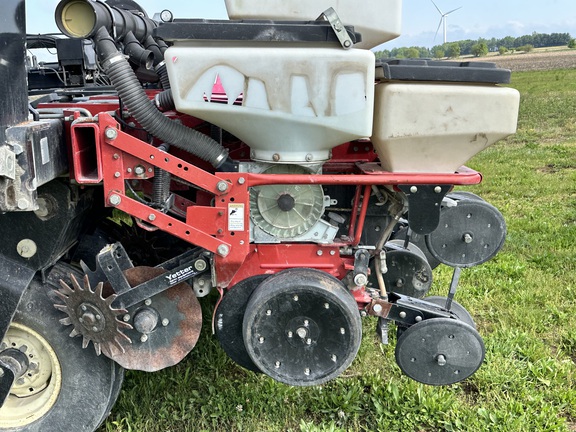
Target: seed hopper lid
point(441, 71)
point(252, 31)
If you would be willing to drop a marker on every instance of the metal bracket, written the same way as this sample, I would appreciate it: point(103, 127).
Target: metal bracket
point(332, 17)
point(424, 203)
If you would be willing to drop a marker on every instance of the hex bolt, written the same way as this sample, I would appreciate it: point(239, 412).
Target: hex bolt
point(334, 358)
point(437, 189)
point(115, 200)
point(307, 371)
point(402, 314)
point(111, 133)
point(117, 174)
point(83, 307)
point(126, 318)
point(268, 312)
point(276, 157)
point(241, 180)
point(363, 314)
point(309, 157)
point(152, 217)
point(295, 298)
point(468, 238)
point(200, 265)
point(165, 322)
point(308, 341)
point(413, 189)
point(377, 308)
point(347, 44)
point(306, 322)
point(326, 306)
point(128, 170)
point(301, 332)
point(139, 170)
point(223, 250)
point(23, 204)
point(290, 334)
point(319, 253)
point(147, 302)
point(360, 279)
point(342, 330)
point(143, 338)
point(116, 156)
point(261, 339)
point(222, 186)
point(277, 365)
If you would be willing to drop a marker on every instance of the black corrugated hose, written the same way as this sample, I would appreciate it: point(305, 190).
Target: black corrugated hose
point(135, 99)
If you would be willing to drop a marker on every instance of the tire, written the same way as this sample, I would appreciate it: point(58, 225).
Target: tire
point(73, 389)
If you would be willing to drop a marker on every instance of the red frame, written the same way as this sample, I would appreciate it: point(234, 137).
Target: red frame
point(207, 226)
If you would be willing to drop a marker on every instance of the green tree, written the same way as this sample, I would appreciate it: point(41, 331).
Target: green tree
point(480, 49)
point(572, 44)
point(502, 50)
point(526, 48)
point(439, 53)
point(413, 53)
point(453, 50)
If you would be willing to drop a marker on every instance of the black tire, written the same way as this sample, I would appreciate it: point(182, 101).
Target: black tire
point(89, 385)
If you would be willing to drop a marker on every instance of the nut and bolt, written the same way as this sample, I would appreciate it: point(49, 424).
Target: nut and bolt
point(441, 360)
point(143, 338)
point(295, 298)
point(261, 339)
point(222, 186)
point(241, 180)
point(360, 279)
point(23, 204)
point(377, 308)
point(276, 157)
point(165, 322)
point(111, 133)
point(116, 156)
point(223, 250)
point(152, 217)
point(347, 44)
point(332, 253)
point(147, 302)
point(306, 371)
point(117, 174)
point(200, 265)
point(309, 157)
point(319, 253)
point(290, 334)
point(126, 318)
point(277, 364)
point(139, 170)
point(308, 341)
point(468, 238)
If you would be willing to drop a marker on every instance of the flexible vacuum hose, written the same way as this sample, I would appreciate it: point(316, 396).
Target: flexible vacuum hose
point(135, 99)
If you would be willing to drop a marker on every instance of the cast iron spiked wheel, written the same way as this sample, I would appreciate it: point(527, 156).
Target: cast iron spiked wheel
point(93, 316)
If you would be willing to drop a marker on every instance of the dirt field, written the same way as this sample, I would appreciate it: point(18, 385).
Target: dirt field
point(533, 61)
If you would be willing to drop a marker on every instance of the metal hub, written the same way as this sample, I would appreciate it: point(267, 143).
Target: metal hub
point(440, 351)
point(302, 327)
point(36, 390)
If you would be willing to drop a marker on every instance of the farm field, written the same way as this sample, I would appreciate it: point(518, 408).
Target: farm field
point(523, 301)
point(533, 61)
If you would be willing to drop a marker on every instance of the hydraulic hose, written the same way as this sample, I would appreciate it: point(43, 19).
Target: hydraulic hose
point(165, 100)
point(135, 99)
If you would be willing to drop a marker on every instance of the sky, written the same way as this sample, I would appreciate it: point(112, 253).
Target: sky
point(480, 18)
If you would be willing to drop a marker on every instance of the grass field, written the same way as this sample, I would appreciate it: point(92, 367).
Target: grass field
point(524, 302)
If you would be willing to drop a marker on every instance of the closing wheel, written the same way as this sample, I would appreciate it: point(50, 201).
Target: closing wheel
point(61, 378)
point(440, 351)
point(229, 318)
point(302, 327)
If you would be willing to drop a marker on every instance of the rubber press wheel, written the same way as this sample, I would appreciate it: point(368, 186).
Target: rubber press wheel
point(66, 388)
point(302, 327)
point(229, 318)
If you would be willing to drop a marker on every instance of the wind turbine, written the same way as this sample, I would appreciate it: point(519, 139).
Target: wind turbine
point(443, 19)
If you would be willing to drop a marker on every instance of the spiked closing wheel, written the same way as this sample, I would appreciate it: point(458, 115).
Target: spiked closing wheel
point(302, 327)
point(440, 351)
point(93, 316)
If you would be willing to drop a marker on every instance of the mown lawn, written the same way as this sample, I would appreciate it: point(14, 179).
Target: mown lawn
point(524, 302)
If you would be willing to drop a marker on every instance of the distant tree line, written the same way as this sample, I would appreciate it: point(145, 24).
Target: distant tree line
point(481, 47)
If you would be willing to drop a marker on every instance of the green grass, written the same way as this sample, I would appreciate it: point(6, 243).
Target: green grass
point(524, 302)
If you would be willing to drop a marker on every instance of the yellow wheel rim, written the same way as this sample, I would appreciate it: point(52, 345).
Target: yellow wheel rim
point(36, 392)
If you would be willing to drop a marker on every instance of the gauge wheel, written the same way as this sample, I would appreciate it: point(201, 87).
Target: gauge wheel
point(65, 387)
